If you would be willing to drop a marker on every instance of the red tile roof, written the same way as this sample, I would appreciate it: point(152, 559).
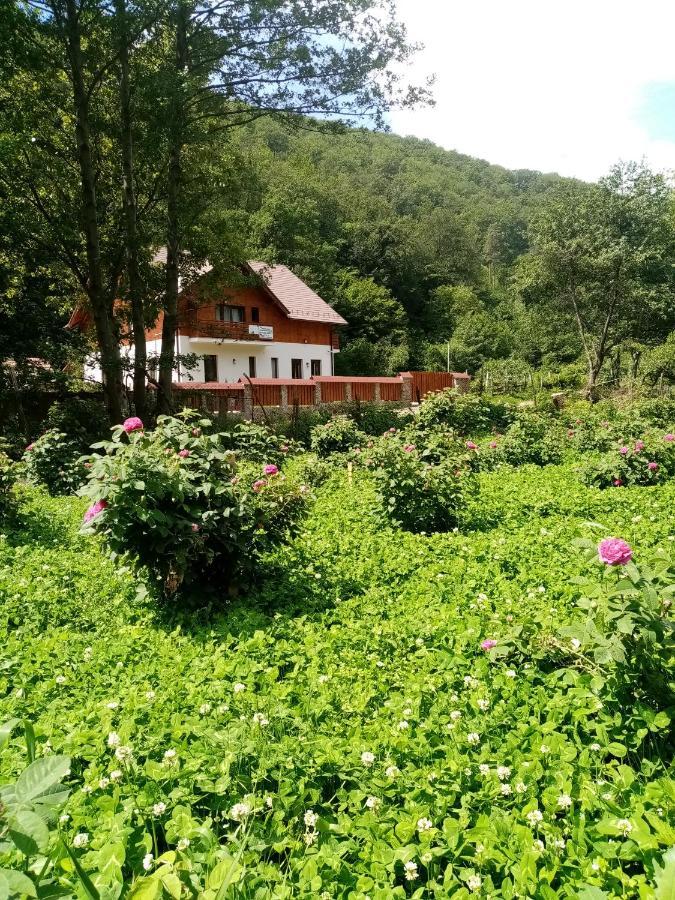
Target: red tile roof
point(297, 299)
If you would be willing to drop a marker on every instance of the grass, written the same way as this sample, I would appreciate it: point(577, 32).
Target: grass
point(361, 639)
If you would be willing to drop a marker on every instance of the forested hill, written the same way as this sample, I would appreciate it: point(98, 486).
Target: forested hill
point(405, 238)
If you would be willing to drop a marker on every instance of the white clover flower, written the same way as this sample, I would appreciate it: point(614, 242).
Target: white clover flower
point(238, 687)
point(432, 776)
point(311, 818)
point(419, 642)
point(503, 772)
point(260, 719)
point(80, 840)
point(538, 846)
point(576, 643)
point(112, 704)
point(124, 753)
point(564, 801)
point(544, 749)
point(373, 803)
point(480, 848)
point(424, 824)
point(309, 837)
point(150, 695)
point(510, 673)
point(484, 769)
point(473, 737)
point(114, 739)
point(86, 789)
point(183, 844)
point(559, 844)
point(148, 861)
point(403, 725)
point(474, 883)
point(115, 775)
point(534, 817)
point(595, 865)
point(204, 709)
point(159, 809)
point(169, 754)
point(87, 653)
point(269, 802)
point(520, 787)
point(455, 715)
point(595, 747)
point(367, 758)
point(103, 783)
point(410, 870)
point(64, 818)
point(239, 811)
point(624, 826)
point(608, 796)
point(392, 771)
point(60, 679)
point(323, 679)
point(483, 704)
point(505, 789)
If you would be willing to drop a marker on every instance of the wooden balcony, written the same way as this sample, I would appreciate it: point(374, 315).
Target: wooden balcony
point(227, 331)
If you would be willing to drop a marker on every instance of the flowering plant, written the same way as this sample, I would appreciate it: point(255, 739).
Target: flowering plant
point(647, 460)
point(339, 435)
point(55, 461)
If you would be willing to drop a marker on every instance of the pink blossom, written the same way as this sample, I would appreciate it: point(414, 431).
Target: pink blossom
point(195, 527)
point(653, 466)
point(669, 437)
point(183, 453)
point(614, 552)
point(639, 445)
point(270, 469)
point(260, 483)
point(168, 450)
point(409, 448)
point(623, 451)
point(471, 446)
point(196, 432)
point(392, 431)
point(488, 644)
point(284, 448)
point(618, 482)
point(235, 479)
point(492, 445)
point(132, 424)
point(94, 510)
point(30, 447)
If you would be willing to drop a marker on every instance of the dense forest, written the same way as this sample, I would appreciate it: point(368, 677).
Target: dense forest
point(127, 128)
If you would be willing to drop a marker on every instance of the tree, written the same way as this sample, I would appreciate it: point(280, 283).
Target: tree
point(603, 255)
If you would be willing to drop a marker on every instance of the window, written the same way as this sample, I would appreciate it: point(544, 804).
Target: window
point(251, 366)
point(296, 368)
point(316, 367)
point(210, 368)
point(275, 367)
point(255, 314)
point(226, 313)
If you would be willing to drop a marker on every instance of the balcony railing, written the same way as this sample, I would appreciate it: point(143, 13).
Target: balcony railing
point(233, 331)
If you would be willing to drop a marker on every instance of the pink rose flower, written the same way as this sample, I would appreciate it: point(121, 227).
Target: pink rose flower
point(409, 448)
point(270, 469)
point(196, 432)
point(260, 483)
point(488, 644)
point(284, 448)
point(618, 482)
point(492, 445)
point(195, 527)
point(132, 424)
point(392, 431)
point(623, 451)
point(29, 447)
point(94, 510)
point(471, 446)
point(614, 552)
point(639, 445)
point(669, 437)
point(653, 466)
point(183, 454)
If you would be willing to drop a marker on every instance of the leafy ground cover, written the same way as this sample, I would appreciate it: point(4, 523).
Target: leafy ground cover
point(343, 733)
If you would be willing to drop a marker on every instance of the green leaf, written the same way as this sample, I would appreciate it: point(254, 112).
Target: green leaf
point(589, 892)
point(29, 733)
point(40, 776)
point(664, 877)
point(87, 883)
point(18, 883)
point(6, 730)
point(28, 831)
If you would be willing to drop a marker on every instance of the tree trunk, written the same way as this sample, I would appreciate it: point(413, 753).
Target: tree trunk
point(173, 231)
point(101, 303)
point(135, 286)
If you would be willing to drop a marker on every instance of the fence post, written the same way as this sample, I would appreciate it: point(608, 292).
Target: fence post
point(317, 393)
point(376, 391)
point(406, 388)
point(283, 399)
point(248, 401)
point(348, 390)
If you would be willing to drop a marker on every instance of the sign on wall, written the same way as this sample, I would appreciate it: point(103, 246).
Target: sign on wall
point(264, 332)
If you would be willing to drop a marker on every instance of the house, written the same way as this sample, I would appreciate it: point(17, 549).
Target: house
point(275, 328)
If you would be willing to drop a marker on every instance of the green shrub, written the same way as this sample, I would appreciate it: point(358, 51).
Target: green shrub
point(338, 435)
point(257, 443)
point(7, 479)
point(646, 461)
point(83, 420)
point(174, 500)
point(530, 440)
point(465, 413)
point(417, 493)
point(54, 461)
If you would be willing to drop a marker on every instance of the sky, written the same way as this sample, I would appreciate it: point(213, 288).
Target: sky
point(568, 86)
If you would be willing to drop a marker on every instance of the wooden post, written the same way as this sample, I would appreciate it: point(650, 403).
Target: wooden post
point(248, 401)
point(317, 393)
point(376, 391)
point(406, 387)
point(348, 390)
point(283, 401)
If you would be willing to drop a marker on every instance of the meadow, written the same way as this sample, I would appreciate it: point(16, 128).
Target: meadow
point(387, 713)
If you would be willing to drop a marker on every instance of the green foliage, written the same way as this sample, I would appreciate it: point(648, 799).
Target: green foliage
point(84, 421)
point(7, 480)
point(465, 413)
point(338, 435)
point(54, 461)
point(530, 439)
point(175, 501)
point(257, 443)
point(644, 462)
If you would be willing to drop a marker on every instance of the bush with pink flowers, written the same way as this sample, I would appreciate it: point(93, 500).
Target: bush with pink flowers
point(644, 461)
point(55, 462)
point(339, 435)
point(181, 504)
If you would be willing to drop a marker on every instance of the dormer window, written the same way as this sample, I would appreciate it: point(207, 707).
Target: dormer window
point(227, 313)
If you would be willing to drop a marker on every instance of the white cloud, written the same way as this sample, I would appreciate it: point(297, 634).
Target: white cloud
point(541, 84)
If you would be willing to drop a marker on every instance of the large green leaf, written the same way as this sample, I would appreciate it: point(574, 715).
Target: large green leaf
point(86, 882)
point(40, 776)
point(6, 729)
point(28, 831)
point(18, 883)
point(665, 877)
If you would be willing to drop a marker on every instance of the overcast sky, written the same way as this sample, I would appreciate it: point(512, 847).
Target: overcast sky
point(570, 86)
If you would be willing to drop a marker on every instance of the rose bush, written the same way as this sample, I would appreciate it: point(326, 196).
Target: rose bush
point(339, 435)
point(464, 413)
point(647, 460)
point(55, 461)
